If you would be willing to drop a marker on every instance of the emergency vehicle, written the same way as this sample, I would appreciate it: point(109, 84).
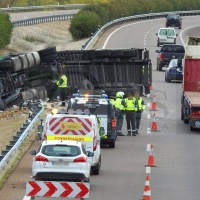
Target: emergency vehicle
point(96, 101)
point(76, 126)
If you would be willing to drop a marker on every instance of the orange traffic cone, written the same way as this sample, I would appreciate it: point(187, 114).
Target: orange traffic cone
point(153, 106)
point(154, 124)
point(151, 162)
point(147, 190)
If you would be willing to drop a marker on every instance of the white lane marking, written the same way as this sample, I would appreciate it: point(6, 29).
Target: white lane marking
point(26, 198)
point(148, 116)
point(148, 170)
point(148, 105)
point(181, 33)
point(108, 38)
point(148, 130)
point(148, 147)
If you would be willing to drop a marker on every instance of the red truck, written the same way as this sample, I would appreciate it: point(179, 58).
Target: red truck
point(190, 101)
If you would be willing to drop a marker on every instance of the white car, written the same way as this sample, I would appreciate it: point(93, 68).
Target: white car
point(61, 161)
point(166, 36)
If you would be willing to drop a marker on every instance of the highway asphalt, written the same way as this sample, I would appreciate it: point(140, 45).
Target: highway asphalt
point(28, 15)
point(176, 149)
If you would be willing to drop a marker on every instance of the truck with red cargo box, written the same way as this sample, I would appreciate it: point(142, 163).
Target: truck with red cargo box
point(190, 101)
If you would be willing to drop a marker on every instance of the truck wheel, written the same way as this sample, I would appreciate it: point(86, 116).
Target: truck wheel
point(24, 61)
point(17, 64)
point(31, 59)
point(47, 52)
point(36, 57)
point(179, 27)
point(5, 64)
point(112, 145)
point(186, 121)
point(158, 44)
point(96, 171)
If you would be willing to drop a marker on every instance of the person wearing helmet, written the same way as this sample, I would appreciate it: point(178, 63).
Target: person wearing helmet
point(139, 108)
point(120, 112)
point(129, 104)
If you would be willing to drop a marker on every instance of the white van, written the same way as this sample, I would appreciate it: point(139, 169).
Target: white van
point(78, 126)
point(166, 36)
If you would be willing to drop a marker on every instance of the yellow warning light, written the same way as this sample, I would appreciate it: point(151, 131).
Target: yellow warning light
point(54, 111)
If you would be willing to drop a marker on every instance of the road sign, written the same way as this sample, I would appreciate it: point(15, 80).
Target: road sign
point(57, 189)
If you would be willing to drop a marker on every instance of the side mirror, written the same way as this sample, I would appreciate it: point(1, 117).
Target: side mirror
point(156, 33)
point(33, 152)
point(176, 34)
point(157, 51)
point(90, 154)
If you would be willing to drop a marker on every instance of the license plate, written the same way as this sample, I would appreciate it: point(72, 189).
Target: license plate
point(197, 123)
point(172, 25)
point(59, 163)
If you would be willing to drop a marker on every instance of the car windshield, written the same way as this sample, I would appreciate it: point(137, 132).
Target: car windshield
point(170, 32)
point(173, 17)
point(163, 31)
point(95, 108)
point(173, 48)
point(61, 150)
point(173, 63)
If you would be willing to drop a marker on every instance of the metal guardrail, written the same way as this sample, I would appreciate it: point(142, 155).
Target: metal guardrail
point(19, 140)
point(39, 20)
point(94, 37)
point(37, 8)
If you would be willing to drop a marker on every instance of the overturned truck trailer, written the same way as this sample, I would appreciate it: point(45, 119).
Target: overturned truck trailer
point(108, 69)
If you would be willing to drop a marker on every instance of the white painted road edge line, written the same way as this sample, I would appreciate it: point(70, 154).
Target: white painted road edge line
point(26, 198)
point(148, 170)
point(108, 38)
point(148, 147)
point(183, 42)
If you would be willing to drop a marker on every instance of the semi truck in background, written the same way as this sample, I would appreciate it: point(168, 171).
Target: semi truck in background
point(190, 100)
point(32, 76)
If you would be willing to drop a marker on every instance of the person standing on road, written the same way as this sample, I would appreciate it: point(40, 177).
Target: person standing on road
point(139, 108)
point(129, 104)
point(62, 85)
point(120, 112)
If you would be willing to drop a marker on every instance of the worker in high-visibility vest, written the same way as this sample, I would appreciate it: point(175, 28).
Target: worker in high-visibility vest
point(129, 104)
point(101, 129)
point(147, 89)
point(62, 85)
point(139, 108)
point(120, 112)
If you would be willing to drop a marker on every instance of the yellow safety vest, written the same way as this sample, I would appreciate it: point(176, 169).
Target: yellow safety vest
point(64, 84)
point(118, 104)
point(140, 105)
point(130, 104)
point(143, 70)
point(112, 101)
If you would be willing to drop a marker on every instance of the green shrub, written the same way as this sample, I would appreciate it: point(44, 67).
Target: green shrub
point(6, 28)
point(30, 39)
point(83, 24)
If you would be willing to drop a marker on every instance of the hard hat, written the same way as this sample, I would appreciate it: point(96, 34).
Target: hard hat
point(119, 94)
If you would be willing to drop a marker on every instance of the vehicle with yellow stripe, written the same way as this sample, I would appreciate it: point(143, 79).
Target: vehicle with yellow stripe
point(74, 125)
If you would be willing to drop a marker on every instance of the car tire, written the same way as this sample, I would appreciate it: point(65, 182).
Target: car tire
point(168, 80)
point(5, 64)
point(186, 121)
point(191, 128)
point(158, 44)
point(179, 27)
point(24, 61)
point(86, 84)
point(96, 171)
point(47, 52)
point(31, 59)
point(165, 78)
point(112, 145)
point(159, 68)
point(49, 58)
point(182, 117)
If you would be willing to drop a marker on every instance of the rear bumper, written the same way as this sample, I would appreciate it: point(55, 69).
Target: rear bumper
point(176, 24)
point(175, 77)
point(59, 176)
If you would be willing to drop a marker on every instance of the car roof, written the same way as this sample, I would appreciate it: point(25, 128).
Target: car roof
point(66, 142)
